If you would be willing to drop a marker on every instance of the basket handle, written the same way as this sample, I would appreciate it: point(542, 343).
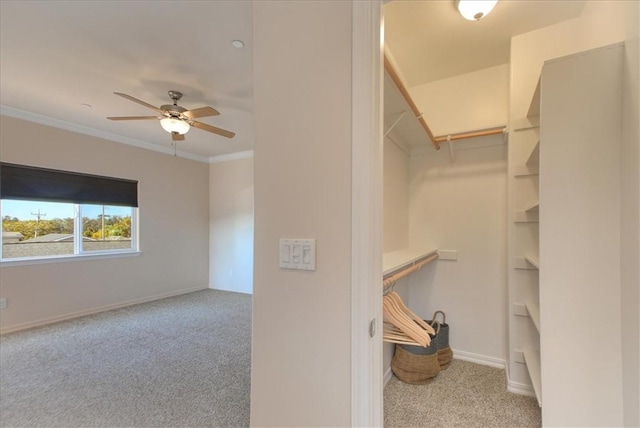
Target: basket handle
point(437, 326)
point(444, 317)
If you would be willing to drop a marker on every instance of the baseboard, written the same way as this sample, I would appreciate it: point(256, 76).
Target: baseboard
point(52, 320)
point(479, 359)
point(520, 388)
point(230, 290)
point(464, 356)
point(387, 377)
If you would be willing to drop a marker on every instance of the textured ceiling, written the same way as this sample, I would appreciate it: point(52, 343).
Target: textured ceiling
point(58, 56)
point(431, 41)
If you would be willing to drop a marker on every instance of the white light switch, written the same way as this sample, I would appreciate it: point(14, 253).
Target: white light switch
point(298, 254)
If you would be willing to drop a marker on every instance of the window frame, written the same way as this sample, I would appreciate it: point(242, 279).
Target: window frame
point(78, 251)
point(38, 184)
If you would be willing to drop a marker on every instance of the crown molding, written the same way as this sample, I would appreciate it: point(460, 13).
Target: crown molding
point(74, 127)
point(231, 156)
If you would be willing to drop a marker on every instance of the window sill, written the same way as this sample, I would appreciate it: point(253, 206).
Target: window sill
point(68, 258)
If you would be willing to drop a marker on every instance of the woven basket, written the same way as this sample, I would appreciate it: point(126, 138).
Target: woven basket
point(445, 354)
point(416, 364)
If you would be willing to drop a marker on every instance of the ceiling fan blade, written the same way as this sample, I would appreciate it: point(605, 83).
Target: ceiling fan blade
point(177, 137)
point(133, 117)
point(213, 129)
point(135, 100)
point(201, 112)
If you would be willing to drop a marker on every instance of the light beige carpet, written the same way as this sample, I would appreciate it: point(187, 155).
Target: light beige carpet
point(464, 395)
point(177, 362)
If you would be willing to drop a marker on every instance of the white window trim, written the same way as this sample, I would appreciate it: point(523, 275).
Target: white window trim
point(25, 261)
point(78, 251)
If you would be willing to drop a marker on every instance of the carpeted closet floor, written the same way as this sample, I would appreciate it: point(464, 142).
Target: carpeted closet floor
point(464, 395)
point(185, 362)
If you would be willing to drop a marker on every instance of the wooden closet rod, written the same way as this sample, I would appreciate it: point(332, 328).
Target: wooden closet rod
point(388, 66)
point(409, 269)
point(470, 134)
point(403, 90)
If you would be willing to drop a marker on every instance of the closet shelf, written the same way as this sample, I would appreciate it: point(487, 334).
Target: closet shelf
point(534, 260)
point(534, 105)
point(533, 207)
point(534, 155)
point(533, 115)
point(533, 308)
point(396, 260)
point(532, 164)
point(525, 123)
point(526, 217)
point(532, 360)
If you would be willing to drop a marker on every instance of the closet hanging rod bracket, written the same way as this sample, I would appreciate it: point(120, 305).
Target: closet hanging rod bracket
point(451, 153)
point(393, 125)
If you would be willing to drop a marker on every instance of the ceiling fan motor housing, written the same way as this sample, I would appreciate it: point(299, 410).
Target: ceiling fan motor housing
point(174, 109)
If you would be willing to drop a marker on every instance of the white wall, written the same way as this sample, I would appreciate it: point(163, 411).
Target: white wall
point(395, 218)
point(467, 102)
point(395, 198)
point(630, 227)
point(602, 23)
point(173, 228)
point(430, 202)
point(461, 206)
point(231, 225)
point(301, 356)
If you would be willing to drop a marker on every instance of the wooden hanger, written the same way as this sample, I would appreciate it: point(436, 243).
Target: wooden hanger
point(406, 329)
point(396, 298)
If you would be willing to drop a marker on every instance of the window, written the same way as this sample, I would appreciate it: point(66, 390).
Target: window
point(49, 213)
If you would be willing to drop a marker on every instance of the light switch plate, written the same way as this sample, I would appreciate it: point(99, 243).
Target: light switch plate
point(299, 254)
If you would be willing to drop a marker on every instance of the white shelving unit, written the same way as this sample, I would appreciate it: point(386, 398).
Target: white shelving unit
point(532, 360)
point(532, 165)
point(532, 207)
point(580, 146)
point(533, 309)
point(533, 260)
point(524, 173)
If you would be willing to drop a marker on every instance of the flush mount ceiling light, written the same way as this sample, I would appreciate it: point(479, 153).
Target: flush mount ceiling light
point(171, 124)
point(475, 10)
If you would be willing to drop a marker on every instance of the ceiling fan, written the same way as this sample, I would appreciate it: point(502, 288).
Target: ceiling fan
point(175, 119)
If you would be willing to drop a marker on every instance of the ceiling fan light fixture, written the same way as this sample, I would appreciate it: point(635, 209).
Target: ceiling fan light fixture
point(475, 10)
point(171, 124)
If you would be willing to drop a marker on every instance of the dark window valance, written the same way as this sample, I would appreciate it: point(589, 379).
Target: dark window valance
point(34, 183)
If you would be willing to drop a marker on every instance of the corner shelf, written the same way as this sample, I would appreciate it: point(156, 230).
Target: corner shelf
point(533, 260)
point(534, 155)
point(531, 166)
point(532, 360)
point(533, 309)
point(532, 120)
point(533, 207)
